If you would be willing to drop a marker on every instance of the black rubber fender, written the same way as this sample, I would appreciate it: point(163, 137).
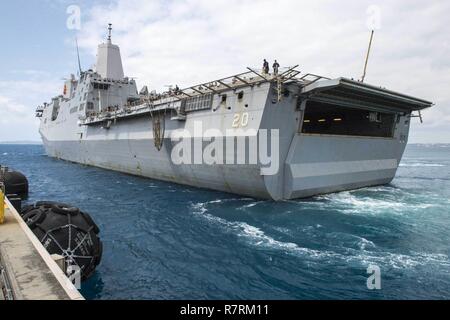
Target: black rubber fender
point(33, 217)
point(91, 222)
point(41, 204)
point(15, 182)
point(63, 209)
point(65, 230)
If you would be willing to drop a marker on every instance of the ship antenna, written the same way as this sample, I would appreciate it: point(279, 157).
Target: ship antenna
point(367, 56)
point(109, 32)
point(78, 55)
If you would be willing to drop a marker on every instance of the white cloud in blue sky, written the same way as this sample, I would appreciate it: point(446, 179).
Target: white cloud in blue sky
point(191, 41)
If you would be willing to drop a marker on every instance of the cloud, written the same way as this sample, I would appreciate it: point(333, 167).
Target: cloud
point(192, 41)
point(186, 42)
point(11, 110)
point(30, 89)
point(18, 103)
point(15, 118)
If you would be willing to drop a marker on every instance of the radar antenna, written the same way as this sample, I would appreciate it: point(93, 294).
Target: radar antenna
point(78, 55)
point(109, 32)
point(367, 56)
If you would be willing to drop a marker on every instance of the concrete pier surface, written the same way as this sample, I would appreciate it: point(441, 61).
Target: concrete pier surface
point(27, 271)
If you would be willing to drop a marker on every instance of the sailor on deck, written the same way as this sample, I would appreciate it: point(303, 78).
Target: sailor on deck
point(265, 67)
point(276, 66)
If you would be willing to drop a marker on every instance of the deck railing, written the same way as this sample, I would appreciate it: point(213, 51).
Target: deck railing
point(250, 78)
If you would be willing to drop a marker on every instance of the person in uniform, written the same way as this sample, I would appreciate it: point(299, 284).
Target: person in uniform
point(276, 66)
point(265, 67)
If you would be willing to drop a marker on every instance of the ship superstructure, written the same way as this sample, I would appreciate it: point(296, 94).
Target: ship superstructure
point(325, 135)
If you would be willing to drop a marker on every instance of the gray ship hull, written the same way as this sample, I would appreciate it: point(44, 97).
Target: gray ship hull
point(273, 136)
point(309, 163)
point(302, 178)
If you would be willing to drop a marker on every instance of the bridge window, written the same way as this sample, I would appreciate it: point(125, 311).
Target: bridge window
point(101, 86)
point(324, 118)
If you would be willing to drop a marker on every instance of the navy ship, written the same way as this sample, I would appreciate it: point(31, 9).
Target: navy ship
point(280, 135)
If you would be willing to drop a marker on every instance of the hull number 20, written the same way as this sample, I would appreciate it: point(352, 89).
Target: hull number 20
point(240, 120)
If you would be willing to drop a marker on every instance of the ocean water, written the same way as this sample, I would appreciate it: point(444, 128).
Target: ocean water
point(165, 241)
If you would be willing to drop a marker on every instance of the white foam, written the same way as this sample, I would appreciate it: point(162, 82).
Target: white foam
point(218, 201)
point(283, 230)
point(200, 207)
point(347, 202)
point(250, 205)
point(253, 235)
point(361, 256)
point(364, 243)
point(420, 164)
point(404, 261)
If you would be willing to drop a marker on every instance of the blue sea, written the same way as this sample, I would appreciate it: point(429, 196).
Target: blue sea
point(165, 241)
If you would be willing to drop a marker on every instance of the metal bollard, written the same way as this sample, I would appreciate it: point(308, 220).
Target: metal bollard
point(2, 202)
point(15, 201)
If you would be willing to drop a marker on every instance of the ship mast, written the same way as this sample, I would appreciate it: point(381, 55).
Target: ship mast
point(109, 32)
point(109, 62)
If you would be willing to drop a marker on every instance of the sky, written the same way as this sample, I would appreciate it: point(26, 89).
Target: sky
point(187, 42)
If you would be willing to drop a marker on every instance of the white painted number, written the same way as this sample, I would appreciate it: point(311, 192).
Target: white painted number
point(240, 120)
point(244, 120)
point(236, 119)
